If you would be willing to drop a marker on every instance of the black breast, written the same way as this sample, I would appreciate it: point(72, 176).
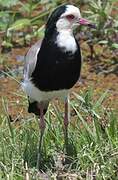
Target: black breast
point(55, 69)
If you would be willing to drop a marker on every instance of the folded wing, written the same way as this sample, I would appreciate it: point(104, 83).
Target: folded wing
point(31, 59)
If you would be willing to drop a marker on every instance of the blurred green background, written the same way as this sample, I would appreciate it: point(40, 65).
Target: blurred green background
point(93, 131)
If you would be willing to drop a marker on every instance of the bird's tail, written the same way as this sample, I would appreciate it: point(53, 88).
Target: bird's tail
point(34, 108)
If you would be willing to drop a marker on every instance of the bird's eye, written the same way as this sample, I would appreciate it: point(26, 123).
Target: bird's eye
point(70, 16)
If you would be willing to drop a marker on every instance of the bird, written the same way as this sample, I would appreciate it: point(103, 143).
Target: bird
point(53, 65)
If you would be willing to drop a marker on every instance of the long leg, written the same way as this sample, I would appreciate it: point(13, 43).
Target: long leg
point(66, 124)
point(42, 128)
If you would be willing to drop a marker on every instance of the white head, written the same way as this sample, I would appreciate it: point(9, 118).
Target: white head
point(65, 17)
point(68, 19)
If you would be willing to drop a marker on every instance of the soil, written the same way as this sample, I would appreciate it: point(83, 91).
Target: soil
point(101, 74)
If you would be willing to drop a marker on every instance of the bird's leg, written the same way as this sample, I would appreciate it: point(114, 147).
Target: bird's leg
point(66, 124)
point(42, 128)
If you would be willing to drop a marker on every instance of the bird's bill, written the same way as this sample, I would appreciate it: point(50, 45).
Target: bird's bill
point(85, 22)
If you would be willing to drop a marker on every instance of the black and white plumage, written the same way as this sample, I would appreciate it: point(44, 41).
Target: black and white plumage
point(53, 66)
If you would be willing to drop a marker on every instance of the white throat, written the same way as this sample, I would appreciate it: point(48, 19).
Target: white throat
point(66, 41)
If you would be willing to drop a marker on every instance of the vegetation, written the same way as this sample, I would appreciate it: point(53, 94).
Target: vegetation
point(93, 146)
point(93, 130)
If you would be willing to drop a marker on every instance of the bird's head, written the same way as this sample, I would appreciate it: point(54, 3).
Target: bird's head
point(66, 17)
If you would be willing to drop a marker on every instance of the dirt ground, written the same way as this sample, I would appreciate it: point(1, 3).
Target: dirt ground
point(100, 74)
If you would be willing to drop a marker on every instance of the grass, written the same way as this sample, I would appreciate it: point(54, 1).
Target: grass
point(93, 129)
point(93, 142)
